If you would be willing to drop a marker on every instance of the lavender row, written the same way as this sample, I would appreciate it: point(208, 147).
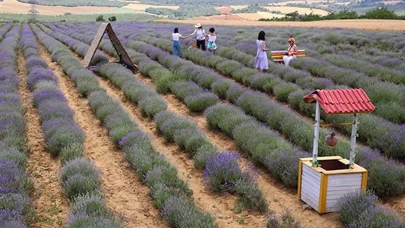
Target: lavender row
point(360, 209)
point(280, 118)
point(378, 58)
point(389, 143)
point(362, 66)
point(187, 87)
point(15, 185)
point(4, 29)
point(277, 157)
point(381, 93)
point(328, 75)
point(192, 140)
point(298, 130)
point(187, 135)
point(231, 118)
point(385, 101)
point(384, 111)
point(77, 46)
point(171, 194)
point(79, 177)
point(261, 78)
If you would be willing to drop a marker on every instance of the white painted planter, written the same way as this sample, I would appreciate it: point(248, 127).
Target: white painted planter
point(320, 187)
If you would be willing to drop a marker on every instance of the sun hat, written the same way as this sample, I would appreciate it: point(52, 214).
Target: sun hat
point(198, 25)
point(291, 39)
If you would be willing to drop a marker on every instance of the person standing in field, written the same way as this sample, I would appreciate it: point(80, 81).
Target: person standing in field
point(291, 51)
point(200, 33)
point(176, 42)
point(212, 37)
point(261, 61)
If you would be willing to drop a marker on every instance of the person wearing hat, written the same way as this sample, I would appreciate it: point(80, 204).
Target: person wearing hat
point(291, 51)
point(200, 33)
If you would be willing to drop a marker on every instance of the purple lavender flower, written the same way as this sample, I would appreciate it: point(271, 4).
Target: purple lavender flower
point(46, 94)
point(222, 171)
point(40, 74)
point(13, 179)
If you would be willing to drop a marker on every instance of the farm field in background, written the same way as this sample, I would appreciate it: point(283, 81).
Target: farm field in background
point(14, 6)
point(363, 24)
point(202, 139)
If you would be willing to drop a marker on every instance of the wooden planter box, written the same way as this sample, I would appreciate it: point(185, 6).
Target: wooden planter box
point(320, 187)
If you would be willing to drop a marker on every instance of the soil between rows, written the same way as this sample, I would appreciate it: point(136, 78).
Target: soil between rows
point(124, 192)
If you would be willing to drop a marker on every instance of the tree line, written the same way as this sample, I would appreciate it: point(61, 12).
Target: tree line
point(379, 13)
point(185, 11)
point(205, 2)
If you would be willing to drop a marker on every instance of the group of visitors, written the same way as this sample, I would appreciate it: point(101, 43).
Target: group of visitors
point(200, 39)
point(261, 62)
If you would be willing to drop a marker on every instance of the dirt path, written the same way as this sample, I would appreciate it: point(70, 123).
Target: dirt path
point(275, 193)
point(48, 199)
point(124, 193)
point(219, 206)
point(397, 203)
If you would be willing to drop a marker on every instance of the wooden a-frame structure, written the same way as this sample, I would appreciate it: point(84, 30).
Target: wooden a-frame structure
point(123, 55)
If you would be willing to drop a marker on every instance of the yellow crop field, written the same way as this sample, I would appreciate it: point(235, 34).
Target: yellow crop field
point(14, 6)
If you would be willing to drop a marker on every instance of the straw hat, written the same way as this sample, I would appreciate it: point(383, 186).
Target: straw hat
point(198, 25)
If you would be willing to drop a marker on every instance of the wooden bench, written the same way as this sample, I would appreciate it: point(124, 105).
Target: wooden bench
point(277, 56)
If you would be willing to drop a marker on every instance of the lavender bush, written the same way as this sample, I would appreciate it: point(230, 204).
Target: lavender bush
point(181, 212)
point(222, 174)
point(13, 178)
point(89, 210)
point(358, 209)
point(287, 220)
point(200, 102)
point(79, 176)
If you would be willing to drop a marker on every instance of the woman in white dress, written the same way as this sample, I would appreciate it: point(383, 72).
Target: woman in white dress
point(261, 61)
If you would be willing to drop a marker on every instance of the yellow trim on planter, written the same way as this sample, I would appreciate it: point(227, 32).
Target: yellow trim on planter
point(364, 181)
point(323, 193)
point(299, 178)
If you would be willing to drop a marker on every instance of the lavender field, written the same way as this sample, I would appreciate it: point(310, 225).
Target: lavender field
point(200, 140)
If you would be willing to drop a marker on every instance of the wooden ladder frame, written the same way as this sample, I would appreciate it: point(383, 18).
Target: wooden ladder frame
point(123, 55)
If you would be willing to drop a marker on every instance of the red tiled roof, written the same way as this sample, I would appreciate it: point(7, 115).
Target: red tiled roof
point(341, 101)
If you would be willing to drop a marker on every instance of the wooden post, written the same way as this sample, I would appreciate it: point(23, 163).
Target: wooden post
point(316, 135)
point(353, 140)
point(123, 55)
point(94, 45)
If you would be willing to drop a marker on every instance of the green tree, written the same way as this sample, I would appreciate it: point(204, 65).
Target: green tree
point(100, 18)
point(380, 13)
